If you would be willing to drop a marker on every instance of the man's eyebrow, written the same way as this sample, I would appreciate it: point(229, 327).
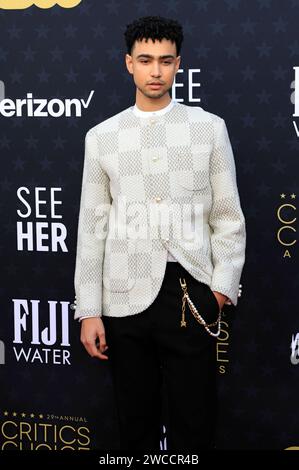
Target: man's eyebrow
point(149, 56)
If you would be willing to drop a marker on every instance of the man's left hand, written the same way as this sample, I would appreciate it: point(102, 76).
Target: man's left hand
point(220, 299)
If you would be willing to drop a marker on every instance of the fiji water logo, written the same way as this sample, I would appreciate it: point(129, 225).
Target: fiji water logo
point(295, 349)
point(23, 4)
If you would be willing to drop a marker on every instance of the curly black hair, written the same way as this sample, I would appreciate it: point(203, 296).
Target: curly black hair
point(154, 27)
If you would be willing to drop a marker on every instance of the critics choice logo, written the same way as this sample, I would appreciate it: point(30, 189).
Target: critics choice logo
point(287, 223)
point(22, 4)
point(38, 431)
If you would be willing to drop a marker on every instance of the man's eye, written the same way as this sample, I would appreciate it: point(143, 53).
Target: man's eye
point(144, 61)
point(167, 62)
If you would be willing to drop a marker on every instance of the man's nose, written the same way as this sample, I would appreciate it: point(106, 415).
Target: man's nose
point(156, 71)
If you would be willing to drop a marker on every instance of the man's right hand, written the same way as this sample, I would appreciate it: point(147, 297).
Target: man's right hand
point(91, 330)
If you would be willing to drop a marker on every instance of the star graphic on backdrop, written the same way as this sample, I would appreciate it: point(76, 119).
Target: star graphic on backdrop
point(45, 163)
point(217, 27)
point(248, 167)
point(114, 98)
point(18, 163)
point(233, 97)
point(279, 166)
point(252, 391)
point(14, 32)
point(264, 97)
point(99, 30)
point(43, 76)
point(73, 122)
point(5, 142)
point(279, 73)
point(248, 120)
point(29, 54)
point(38, 269)
point(84, 8)
point(31, 142)
point(6, 184)
point(70, 31)
point(56, 54)
point(248, 26)
point(71, 76)
point(264, 3)
point(18, 122)
point(264, 50)
point(100, 76)
point(202, 5)
point(85, 53)
point(202, 51)
point(172, 6)
point(279, 120)
point(232, 4)
point(293, 143)
point(188, 28)
point(248, 73)
point(59, 143)
point(264, 144)
point(217, 74)
point(233, 51)
point(112, 7)
point(56, 10)
point(42, 31)
point(280, 26)
point(294, 48)
point(142, 7)
point(74, 165)
point(3, 54)
point(16, 76)
point(113, 53)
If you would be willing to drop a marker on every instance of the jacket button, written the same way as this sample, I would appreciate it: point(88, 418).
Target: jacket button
point(158, 199)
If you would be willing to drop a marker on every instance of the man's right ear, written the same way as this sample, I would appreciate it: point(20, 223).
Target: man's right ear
point(129, 63)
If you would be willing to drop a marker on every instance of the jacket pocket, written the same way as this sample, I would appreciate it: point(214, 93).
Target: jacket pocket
point(119, 266)
point(214, 300)
point(193, 182)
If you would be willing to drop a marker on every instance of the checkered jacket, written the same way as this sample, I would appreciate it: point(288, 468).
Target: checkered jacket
point(183, 157)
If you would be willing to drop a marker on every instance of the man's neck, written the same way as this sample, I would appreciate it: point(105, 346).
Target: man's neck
point(149, 104)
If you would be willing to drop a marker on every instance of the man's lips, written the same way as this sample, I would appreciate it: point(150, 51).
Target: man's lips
point(155, 85)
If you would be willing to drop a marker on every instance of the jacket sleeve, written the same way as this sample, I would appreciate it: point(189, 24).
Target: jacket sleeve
point(228, 238)
point(95, 204)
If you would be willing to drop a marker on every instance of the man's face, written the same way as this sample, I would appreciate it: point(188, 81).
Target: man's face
point(153, 66)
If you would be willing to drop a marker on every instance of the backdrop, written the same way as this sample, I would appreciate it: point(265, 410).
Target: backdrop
point(62, 71)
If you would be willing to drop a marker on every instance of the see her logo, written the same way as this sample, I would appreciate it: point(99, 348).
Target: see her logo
point(22, 4)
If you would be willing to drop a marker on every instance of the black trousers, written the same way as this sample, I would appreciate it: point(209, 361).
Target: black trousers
point(149, 352)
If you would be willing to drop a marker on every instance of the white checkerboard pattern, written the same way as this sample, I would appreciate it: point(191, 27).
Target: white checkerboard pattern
point(183, 156)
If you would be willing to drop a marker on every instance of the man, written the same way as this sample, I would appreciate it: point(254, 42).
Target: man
point(129, 288)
